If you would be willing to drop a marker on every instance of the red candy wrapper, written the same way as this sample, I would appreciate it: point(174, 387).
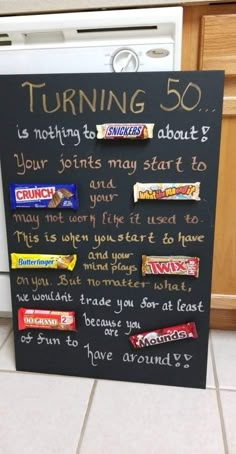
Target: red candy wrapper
point(41, 319)
point(177, 265)
point(160, 336)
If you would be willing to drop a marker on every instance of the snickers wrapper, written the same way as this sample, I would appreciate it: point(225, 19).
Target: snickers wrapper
point(43, 319)
point(177, 265)
point(45, 261)
point(43, 196)
point(166, 191)
point(163, 335)
point(125, 131)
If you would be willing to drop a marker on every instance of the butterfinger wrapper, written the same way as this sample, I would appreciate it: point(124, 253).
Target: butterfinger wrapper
point(46, 261)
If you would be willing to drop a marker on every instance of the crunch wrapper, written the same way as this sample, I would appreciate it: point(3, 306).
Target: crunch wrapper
point(43, 319)
point(43, 196)
point(166, 191)
point(125, 131)
point(62, 262)
point(160, 336)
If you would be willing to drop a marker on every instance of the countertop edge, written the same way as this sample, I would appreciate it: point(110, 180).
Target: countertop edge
point(14, 7)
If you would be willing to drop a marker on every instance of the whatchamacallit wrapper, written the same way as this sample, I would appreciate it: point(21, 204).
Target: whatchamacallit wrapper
point(43, 196)
point(166, 191)
point(175, 265)
point(163, 335)
point(45, 261)
point(125, 131)
point(44, 319)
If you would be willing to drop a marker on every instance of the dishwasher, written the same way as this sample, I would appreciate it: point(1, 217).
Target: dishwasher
point(129, 40)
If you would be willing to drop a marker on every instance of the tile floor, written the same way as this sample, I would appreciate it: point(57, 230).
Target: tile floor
point(45, 414)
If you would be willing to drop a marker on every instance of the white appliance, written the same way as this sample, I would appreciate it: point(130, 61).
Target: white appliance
point(104, 41)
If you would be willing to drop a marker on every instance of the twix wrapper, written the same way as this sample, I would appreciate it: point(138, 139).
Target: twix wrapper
point(43, 196)
point(43, 319)
point(166, 191)
point(125, 131)
point(160, 336)
point(62, 262)
point(177, 265)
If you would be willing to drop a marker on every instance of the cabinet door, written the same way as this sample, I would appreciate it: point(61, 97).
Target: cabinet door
point(209, 43)
point(218, 51)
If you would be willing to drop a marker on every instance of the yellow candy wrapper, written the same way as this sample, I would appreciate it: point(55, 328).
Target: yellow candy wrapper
point(62, 262)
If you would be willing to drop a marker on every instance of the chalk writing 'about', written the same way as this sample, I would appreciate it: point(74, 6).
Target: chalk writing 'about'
point(169, 133)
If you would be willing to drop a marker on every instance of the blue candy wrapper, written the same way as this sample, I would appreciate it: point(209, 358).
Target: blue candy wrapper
point(43, 196)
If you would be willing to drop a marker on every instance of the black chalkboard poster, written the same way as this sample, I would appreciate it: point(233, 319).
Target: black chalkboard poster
point(48, 136)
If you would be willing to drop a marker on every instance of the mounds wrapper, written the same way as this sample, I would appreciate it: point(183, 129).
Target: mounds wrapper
point(125, 131)
point(177, 265)
point(45, 261)
point(42, 319)
point(43, 196)
point(163, 335)
point(166, 191)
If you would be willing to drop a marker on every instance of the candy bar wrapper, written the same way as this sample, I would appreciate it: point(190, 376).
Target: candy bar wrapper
point(178, 265)
point(166, 191)
point(160, 336)
point(125, 131)
point(43, 196)
point(62, 262)
point(41, 319)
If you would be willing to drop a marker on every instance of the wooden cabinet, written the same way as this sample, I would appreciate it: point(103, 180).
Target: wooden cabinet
point(209, 42)
point(218, 50)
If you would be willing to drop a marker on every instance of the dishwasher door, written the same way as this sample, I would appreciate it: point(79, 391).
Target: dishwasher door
point(104, 41)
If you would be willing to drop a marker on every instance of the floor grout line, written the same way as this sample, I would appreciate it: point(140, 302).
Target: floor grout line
point(86, 417)
point(6, 339)
point(219, 403)
point(230, 390)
